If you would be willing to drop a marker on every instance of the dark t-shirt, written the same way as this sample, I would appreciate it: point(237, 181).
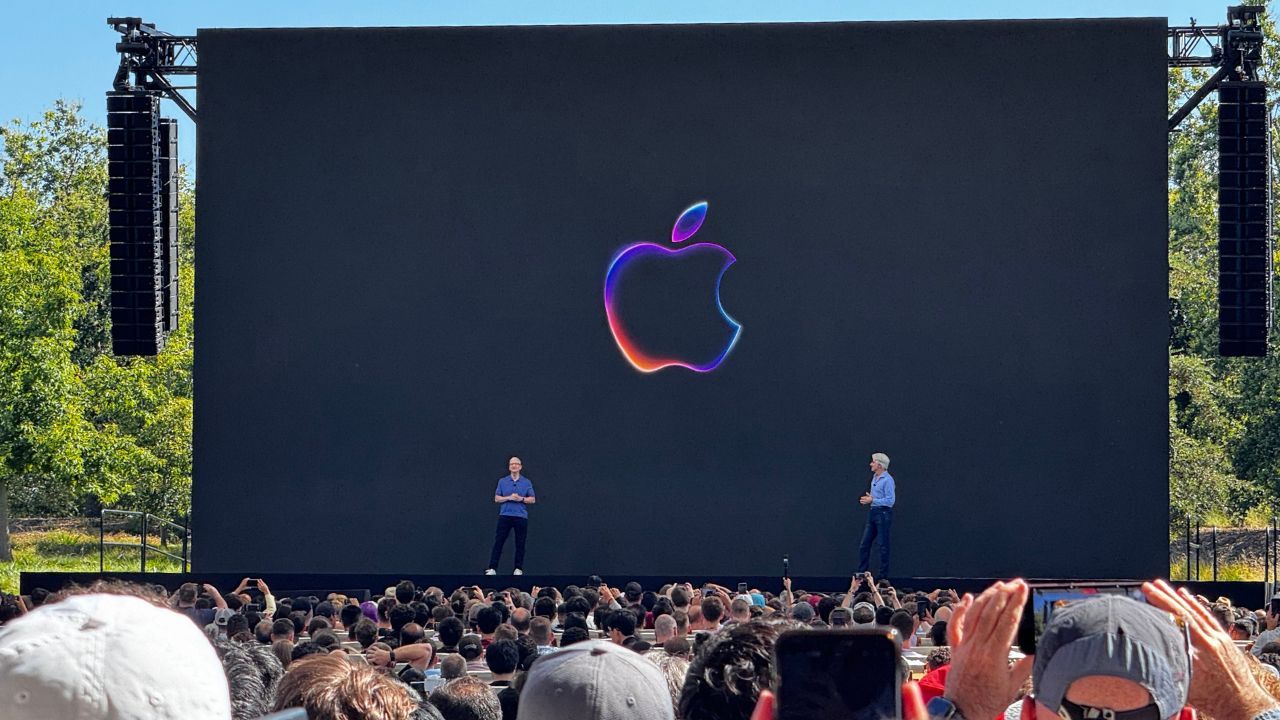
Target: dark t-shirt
point(508, 698)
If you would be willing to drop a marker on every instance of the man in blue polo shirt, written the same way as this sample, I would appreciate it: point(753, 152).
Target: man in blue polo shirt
point(513, 493)
point(881, 499)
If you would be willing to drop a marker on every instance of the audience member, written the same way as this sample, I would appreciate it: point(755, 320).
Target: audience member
point(729, 671)
point(109, 656)
point(472, 650)
point(330, 688)
point(502, 658)
point(466, 698)
point(452, 666)
point(595, 680)
point(540, 631)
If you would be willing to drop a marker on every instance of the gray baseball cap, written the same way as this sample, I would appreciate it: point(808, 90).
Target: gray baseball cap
point(1115, 636)
point(595, 680)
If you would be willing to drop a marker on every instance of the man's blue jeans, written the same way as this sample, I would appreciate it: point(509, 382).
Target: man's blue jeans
point(878, 525)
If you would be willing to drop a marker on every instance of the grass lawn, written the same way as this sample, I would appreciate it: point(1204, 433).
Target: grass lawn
point(74, 551)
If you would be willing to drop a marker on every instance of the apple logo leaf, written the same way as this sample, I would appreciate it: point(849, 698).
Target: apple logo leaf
point(689, 222)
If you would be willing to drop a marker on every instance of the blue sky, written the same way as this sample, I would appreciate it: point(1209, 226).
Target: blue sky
point(64, 49)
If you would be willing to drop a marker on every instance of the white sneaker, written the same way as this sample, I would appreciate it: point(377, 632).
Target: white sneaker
point(490, 571)
point(518, 571)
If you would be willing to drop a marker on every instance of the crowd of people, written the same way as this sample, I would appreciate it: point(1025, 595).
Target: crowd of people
point(116, 650)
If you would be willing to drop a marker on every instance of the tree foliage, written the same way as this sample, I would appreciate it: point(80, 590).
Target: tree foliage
point(1224, 413)
point(78, 426)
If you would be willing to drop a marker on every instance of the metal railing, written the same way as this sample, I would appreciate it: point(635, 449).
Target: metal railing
point(150, 523)
point(1199, 540)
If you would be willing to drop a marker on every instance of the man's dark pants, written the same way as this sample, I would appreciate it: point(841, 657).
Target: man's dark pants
point(877, 526)
point(507, 523)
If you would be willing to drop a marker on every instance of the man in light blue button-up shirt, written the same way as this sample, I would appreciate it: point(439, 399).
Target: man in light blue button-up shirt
point(881, 499)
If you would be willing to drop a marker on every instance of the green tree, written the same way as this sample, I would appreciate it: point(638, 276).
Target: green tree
point(79, 426)
point(1224, 415)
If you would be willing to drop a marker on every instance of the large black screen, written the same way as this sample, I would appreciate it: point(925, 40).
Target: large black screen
point(942, 241)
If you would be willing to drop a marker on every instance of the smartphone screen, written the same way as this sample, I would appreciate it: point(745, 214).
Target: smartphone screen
point(839, 674)
point(742, 588)
point(922, 607)
point(1043, 600)
point(1275, 606)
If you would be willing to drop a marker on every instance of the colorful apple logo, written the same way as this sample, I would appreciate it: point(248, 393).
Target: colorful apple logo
point(631, 336)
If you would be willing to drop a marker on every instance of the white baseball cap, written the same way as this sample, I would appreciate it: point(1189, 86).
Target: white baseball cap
point(112, 657)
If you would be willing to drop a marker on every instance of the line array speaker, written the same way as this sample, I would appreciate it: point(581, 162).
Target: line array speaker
point(136, 203)
point(1244, 220)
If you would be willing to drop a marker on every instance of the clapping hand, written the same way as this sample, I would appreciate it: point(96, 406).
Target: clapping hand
point(1221, 682)
point(981, 682)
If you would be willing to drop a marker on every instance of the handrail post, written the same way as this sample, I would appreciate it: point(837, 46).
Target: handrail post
point(1275, 564)
point(102, 540)
point(1197, 550)
point(143, 545)
point(1188, 539)
point(1215, 553)
point(186, 538)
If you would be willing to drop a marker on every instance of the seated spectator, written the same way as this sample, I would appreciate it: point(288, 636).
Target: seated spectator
point(540, 631)
point(712, 613)
point(348, 616)
point(803, 612)
point(253, 672)
point(729, 671)
point(109, 656)
point(262, 632)
point(487, 621)
point(621, 625)
point(502, 657)
point(1101, 657)
point(864, 613)
point(326, 640)
point(574, 635)
point(282, 630)
point(237, 627)
point(664, 628)
point(449, 632)
point(595, 680)
point(694, 619)
point(365, 633)
point(452, 666)
point(466, 698)
point(439, 613)
point(317, 624)
point(674, 668)
point(283, 650)
point(841, 617)
point(472, 650)
point(299, 618)
point(520, 620)
point(411, 634)
point(678, 646)
point(938, 633)
point(505, 631)
point(330, 688)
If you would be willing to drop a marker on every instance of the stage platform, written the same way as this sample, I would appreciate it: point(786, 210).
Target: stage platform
point(1248, 594)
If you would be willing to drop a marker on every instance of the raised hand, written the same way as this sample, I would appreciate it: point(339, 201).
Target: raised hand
point(981, 682)
point(1222, 685)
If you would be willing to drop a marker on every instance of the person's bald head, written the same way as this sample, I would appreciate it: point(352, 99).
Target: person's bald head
point(520, 619)
point(664, 628)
